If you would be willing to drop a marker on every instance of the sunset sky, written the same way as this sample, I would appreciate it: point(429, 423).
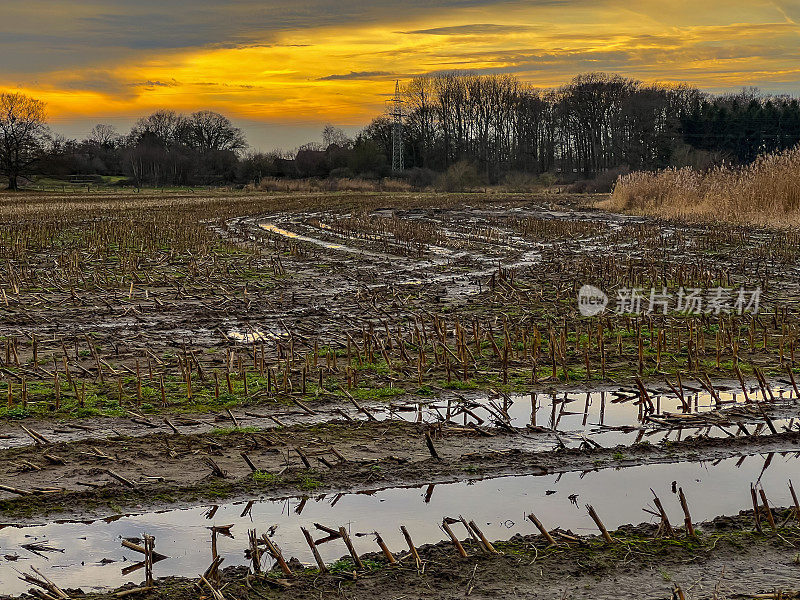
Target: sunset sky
point(281, 69)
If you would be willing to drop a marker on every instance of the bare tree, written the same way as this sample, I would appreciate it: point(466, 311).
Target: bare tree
point(418, 94)
point(595, 123)
point(209, 131)
point(166, 126)
point(103, 134)
point(22, 129)
point(334, 136)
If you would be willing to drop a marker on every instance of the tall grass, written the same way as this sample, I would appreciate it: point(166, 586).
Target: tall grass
point(765, 192)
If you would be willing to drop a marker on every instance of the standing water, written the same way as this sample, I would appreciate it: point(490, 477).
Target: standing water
point(90, 556)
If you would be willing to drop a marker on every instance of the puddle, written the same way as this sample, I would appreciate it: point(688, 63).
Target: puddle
point(250, 335)
point(272, 228)
point(608, 417)
point(498, 506)
point(501, 246)
point(460, 284)
point(574, 416)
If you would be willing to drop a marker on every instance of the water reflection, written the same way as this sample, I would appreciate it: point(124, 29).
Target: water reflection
point(606, 417)
point(571, 418)
point(90, 554)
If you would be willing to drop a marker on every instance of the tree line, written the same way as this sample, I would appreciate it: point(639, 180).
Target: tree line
point(164, 148)
point(595, 123)
point(498, 125)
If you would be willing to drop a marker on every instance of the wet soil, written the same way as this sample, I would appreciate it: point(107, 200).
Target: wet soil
point(138, 374)
point(726, 561)
point(163, 469)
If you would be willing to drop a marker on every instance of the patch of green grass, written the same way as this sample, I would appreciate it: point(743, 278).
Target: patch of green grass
point(380, 367)
point(308, 483)
point(460, 385)
point(218, 489)
point(376, 393)
point(343, 565)
point(16, 412)
point(230, 430)
point(346, 565)
point(266, 478)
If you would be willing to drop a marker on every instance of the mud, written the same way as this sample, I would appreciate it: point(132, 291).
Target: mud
point(726, 561)
point(148, 347)
point(174, 470)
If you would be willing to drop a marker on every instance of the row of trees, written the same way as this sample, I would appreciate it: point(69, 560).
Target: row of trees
point(597, 123)
point(165, 148)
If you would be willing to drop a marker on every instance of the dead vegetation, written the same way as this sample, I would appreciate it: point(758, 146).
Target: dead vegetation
point(765, 192)
point(331, 184)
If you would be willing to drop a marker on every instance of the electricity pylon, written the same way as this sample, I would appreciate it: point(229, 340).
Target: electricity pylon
point(396, 113)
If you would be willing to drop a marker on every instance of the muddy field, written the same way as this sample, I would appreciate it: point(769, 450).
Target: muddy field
point(226, 372)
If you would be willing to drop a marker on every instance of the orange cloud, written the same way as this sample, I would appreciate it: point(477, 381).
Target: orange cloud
point(343, 73)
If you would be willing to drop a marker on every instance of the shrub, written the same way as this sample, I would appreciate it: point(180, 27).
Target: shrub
point(547, 179)
point(602, 183)
point(516, 181)
point(459, 177)
point(421, 178)
point(341, 173)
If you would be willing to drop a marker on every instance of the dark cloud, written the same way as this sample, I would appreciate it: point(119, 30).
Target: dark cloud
point(38, 34)
point(94, 81)
point(477, 29)
point(717, 58)
point(355, 75)
point(153, 84)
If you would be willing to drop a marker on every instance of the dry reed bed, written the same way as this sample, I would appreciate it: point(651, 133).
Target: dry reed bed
point(766, 192)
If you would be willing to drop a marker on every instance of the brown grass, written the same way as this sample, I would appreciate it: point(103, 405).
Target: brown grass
point(766, 192)
point(331, 184)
